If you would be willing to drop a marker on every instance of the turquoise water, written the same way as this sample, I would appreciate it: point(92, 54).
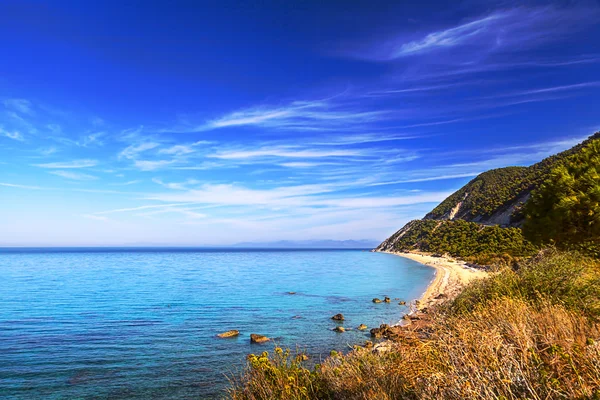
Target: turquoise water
point(122, 323)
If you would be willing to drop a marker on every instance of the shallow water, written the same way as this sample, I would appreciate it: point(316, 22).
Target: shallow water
point(123, 323)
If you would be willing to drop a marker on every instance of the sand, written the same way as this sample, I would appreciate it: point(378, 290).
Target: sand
point(451, 275)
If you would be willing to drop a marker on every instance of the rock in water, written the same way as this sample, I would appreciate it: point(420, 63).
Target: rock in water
point(228, 334)
point(386, 299)
point(338, 317)
point(362, 327)
point(339, 329)
point(376, 300)
point(402, 303)
point(254, 338)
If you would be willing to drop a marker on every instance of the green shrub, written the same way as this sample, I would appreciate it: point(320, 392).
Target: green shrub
point(565, 209)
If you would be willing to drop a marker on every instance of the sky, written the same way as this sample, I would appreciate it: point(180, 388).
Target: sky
point(200, 123)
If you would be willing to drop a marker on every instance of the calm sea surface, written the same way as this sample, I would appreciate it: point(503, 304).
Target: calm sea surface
point(141, 323)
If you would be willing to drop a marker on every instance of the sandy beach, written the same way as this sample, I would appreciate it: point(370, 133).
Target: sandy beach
point(451, 275)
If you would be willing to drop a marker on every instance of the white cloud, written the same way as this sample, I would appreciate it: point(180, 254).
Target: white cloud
point(22, 106)
point(132, 151)
point(288, 196)
point(47, 151)
point(176, 185)
point(554, 89)
point(514, 29)
point(284, 152)
point(450, 37)
point(316, 115)
point(147, 165)
point(76, 176)
point(183, 149)
point(14, 135)
point(84, 163)
point(426, 179)
point(128, 183)
point(178, 149)
point(15, 185)
point(301, 164)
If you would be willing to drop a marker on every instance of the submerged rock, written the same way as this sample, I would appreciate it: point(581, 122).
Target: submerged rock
point(229, 334)
point(254, 338)
point(376, 300)
point(291, 292)
point(362, 327)
point(338, 317)
point(339, 329)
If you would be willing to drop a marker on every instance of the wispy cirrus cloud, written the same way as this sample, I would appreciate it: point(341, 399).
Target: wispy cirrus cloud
point(184, 149)
point(22, 106)
point(76, 176)
point(84, 163)
point(134, 150)
point(289, 196)
point(152, 165)
point(285, 152)
point(554, 89)
point(19, 186)
point(451, 37)
point(14, 135)
point(517, 28)
point(305, 164)
point(319, 115)
point(88, 140)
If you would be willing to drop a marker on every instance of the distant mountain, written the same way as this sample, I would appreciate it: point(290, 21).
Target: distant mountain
point(311, 244)
point(486, 215)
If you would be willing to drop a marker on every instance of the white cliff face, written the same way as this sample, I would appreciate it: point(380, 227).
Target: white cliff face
point(455, 210)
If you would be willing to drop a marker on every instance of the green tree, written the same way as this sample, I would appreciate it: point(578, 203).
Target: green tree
point(565, 209)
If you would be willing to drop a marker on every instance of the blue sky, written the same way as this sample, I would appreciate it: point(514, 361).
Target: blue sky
point(207, 123)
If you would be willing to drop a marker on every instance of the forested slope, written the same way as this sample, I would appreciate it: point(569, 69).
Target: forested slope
point(557, 201)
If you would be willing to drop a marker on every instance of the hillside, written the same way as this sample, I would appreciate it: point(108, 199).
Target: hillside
point(496, 197)
point(486, 215)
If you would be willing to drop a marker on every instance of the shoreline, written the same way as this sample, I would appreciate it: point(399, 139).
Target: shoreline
point(451, 275)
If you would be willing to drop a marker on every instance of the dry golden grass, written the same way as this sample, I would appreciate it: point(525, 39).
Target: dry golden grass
point(502, 339)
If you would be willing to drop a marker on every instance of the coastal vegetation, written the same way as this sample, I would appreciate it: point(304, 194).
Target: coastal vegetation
point(467, 240)
point(565, 210)
point(488, 192)
point(526, 332)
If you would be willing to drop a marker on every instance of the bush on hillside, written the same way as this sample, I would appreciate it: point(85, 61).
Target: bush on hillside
point(565, 210)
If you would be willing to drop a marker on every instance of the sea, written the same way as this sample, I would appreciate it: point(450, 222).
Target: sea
point(141, 323)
